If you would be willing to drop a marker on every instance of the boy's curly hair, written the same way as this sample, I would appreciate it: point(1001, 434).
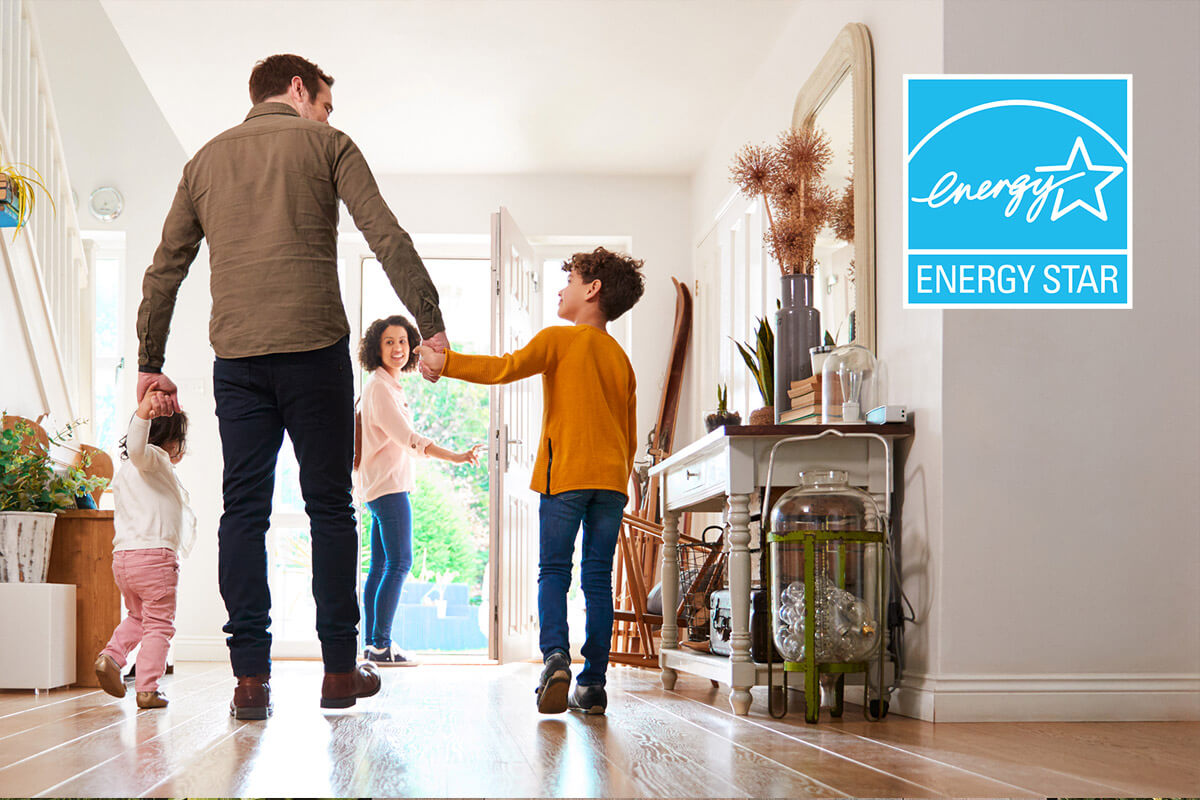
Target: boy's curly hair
point(163, 431)
point(368, 348)
point(621, 283)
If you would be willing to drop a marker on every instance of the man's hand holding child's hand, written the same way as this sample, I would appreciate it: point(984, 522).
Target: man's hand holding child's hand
point(431, 360)
point(155, 404)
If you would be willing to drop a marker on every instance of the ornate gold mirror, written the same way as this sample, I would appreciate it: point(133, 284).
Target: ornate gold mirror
point(838, 99)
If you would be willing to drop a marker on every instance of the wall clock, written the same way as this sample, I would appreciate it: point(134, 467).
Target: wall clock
point(106, 204)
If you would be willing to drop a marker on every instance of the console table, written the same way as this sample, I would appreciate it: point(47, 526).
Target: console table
point(81, 553)
point(728, 466)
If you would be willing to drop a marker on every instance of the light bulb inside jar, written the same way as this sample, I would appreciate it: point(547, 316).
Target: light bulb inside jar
point(852, 382)
point(848, 378)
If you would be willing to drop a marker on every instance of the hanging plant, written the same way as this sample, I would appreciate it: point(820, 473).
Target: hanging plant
point(18, 193)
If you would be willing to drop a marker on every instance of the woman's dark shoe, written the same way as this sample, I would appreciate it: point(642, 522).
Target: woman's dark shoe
point(343, 689)
point(252, 698)
point(390, 656)
point(109, 675)
point(588, 699)
point(554, 684)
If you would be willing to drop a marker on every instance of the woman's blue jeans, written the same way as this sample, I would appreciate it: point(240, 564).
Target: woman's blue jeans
point(391, 559)
point(560, 516)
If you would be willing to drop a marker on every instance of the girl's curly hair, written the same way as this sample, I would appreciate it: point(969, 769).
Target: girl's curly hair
point(164, 431)
point(368, 348)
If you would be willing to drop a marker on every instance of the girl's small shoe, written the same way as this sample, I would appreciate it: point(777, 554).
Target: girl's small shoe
point(155, 699)
point(390, 656)
point(109, 675)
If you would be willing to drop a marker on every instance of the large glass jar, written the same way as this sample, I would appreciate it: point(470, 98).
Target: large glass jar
point(847, 384)
point(827, 570)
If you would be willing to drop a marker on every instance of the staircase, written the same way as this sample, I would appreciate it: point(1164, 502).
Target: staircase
point(45, 299)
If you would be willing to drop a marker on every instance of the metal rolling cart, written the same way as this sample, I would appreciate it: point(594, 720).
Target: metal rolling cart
point(830, 572)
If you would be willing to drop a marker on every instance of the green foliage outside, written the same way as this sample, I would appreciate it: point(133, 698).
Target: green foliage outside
point(450, 501)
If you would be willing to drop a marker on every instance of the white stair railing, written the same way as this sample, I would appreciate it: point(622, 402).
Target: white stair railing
point(50, 246)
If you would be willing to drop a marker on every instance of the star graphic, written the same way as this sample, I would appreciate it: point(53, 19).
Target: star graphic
point(1097, 210)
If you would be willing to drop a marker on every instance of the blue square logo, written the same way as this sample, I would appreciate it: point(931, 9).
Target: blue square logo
point(1018, 191)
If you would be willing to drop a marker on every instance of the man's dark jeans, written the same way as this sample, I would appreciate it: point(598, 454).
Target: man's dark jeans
point(311, 396)
point(560, 516)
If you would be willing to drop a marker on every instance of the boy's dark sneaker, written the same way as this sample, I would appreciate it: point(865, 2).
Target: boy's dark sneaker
point(554, 684)
point(588, 699)
point(390, 656)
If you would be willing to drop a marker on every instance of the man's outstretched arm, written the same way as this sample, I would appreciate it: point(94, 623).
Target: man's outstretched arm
point(389, 242)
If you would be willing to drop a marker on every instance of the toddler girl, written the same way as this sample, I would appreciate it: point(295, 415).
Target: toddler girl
point(152, 524)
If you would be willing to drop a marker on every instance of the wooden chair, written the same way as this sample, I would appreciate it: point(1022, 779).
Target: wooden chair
point(101, 464)
point(639, 557)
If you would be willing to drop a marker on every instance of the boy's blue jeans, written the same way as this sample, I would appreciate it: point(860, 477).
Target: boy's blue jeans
point(560, 516)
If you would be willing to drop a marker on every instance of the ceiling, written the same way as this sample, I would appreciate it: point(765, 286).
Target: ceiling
point(470, 86)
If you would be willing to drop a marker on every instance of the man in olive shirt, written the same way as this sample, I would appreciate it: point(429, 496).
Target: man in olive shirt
point(265, 195)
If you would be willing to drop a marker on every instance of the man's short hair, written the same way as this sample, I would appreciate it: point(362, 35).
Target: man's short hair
point(272, 76)
point(621, 283)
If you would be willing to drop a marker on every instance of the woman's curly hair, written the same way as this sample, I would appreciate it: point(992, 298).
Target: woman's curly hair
point(621, 283)
point(368, 348)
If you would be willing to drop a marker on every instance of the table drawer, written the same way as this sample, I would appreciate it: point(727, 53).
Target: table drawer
point(699, 478)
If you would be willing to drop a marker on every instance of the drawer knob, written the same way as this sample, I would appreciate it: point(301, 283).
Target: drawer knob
point(689, 474)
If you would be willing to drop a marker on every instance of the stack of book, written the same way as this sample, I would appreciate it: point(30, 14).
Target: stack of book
point(806, 397)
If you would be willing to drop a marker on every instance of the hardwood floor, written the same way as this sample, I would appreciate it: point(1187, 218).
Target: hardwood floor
point(468, 730)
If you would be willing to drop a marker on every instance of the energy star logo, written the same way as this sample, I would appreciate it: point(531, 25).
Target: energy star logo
point(1018, 191)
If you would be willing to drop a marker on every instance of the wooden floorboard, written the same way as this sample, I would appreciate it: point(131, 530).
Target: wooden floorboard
point(473, 731)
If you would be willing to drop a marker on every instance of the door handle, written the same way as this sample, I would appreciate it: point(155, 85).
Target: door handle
point(513, 441)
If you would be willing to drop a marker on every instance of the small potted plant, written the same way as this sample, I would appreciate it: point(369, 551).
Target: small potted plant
point(760, 360)
point(31, 490)
point(722, 416)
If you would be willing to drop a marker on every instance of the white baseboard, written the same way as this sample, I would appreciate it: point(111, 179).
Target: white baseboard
point(1048, 698)
point(213, 648)
point(200, 648)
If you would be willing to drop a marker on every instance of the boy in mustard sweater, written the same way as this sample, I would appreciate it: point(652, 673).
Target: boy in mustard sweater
point(583, 463)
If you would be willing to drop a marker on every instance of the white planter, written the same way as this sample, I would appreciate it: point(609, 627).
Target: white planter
point(25, 538)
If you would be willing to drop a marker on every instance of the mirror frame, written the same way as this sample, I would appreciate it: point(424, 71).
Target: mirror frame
point(851, 52)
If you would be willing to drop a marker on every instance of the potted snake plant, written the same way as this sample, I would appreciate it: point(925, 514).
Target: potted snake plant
point(760, 360)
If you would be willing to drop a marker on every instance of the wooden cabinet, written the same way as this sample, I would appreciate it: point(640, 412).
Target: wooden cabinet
point(81, 553)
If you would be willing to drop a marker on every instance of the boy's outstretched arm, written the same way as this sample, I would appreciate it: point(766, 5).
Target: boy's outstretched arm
point(532, 359)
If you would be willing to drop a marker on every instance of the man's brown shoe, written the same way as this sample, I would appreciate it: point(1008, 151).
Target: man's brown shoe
point(342, 689)
point(109, 675)
point(252, 698)
point(155, 699)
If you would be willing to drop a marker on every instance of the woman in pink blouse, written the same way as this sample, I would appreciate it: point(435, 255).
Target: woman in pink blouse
point(385, 476)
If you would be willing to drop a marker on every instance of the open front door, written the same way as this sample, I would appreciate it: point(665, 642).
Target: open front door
point(516, 411)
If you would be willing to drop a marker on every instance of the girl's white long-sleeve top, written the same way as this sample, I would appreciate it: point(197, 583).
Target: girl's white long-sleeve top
point(389, 442)
point(150, 504)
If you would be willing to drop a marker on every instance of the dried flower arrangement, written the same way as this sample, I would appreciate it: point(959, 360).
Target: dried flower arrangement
point(798, 203)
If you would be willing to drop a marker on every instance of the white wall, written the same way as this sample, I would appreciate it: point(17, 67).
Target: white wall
point(907, 38)
point(1071, 562)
